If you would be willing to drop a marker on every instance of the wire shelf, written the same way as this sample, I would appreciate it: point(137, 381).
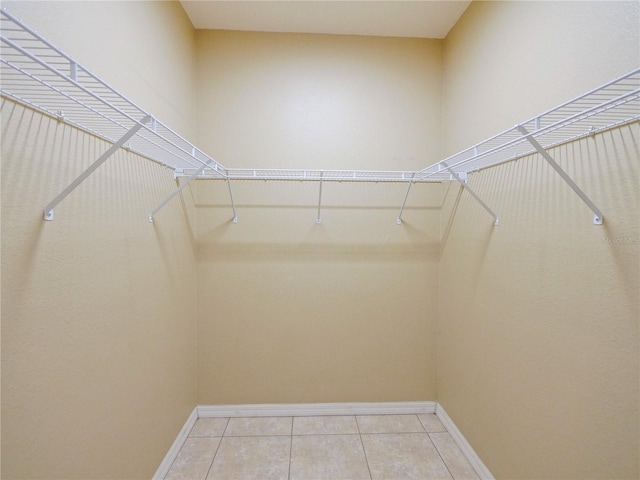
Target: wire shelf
point(324, 175)
point(36, 73)
point(610, 105)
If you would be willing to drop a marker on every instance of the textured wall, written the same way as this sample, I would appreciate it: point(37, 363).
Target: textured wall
point(319, 101)
point(291, 311)
point(539, 317)
point(98, 306)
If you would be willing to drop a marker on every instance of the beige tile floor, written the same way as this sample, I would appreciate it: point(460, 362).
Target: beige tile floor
point(358, 447)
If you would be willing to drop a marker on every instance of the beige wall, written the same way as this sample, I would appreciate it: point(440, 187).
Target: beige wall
point(291, 311)
point(98, 306)
point(539, 317)
point(319, 101)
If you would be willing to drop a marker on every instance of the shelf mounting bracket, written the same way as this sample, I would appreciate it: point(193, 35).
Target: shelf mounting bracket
point(406, 195)
point(177, 191)
point(319, 220)
point(463, 182)
point(48, 209)
point(233, 205)
point(598, 217)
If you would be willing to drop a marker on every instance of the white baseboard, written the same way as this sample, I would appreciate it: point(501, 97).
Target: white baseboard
point(312, 409)
point(171, 455)
point(473, 458)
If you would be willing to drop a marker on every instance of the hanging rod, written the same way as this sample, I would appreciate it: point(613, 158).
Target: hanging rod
point(37, 74)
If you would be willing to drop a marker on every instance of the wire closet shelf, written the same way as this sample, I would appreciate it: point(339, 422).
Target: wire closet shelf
point(36, 73)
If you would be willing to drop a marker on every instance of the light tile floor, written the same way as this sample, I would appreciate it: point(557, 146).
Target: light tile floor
point(370, 447)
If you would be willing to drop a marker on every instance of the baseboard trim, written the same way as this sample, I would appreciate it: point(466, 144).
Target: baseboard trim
point(467, 450)
point(312, 409)
point(171, 455)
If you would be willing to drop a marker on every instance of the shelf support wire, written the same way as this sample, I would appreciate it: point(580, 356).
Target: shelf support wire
point(319, 220)
point(496, 220)
point(399, 220)
point(598, 216)
point(74, 68)
point(48, 209)
point(182, 187)
point(233, 205)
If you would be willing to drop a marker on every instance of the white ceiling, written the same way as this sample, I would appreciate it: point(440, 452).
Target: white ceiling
point(393, 18)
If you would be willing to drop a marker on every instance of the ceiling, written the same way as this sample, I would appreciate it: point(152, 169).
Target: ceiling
point(392, 18)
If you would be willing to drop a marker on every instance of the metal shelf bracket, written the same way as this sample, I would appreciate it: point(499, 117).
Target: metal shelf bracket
point(318, 219)
point(233, 205)
point(48, 209)
point(598, 217)
point(176, 192)
point(462, 180)
point(406, 195)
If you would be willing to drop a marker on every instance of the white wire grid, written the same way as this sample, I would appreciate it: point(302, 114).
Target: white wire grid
point(317, 175)
point(36, 73)
point(610, 105)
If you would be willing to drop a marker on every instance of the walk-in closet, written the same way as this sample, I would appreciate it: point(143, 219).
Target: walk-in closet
point(320, 240)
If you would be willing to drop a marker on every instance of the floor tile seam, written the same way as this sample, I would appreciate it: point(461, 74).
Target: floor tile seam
point(293, 420)
point(213, 459)
point(420, 423)
point(394, 433)
point(215, 454)
point(290, 456)
point(182, 449)
point(262, 435)
point(444, 462)
point(364, 450)
point(226, 425)
point(388, 414)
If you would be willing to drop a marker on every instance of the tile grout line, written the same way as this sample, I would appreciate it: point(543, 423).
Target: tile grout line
point(444, 462)
point(217, 449)
point(293, 419)
point(426, 430)
point(436, 447)
point(366, 459)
